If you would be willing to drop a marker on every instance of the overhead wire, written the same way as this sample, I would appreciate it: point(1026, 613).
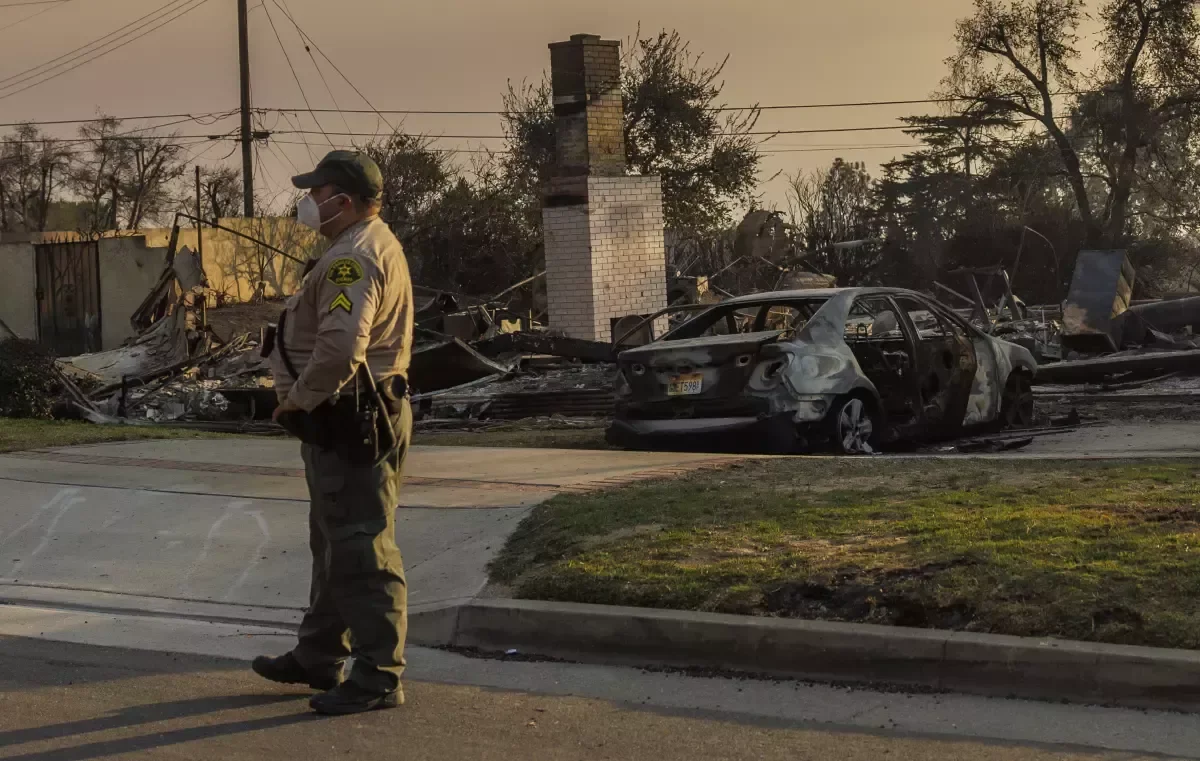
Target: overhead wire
point(321, 74)
point(295, 76)
point(32, 16)
point(306, 37)
point(119, 32)
point(312, 156)
point(757, 107)
point(21, 3)
point(101, 53)
point(52, 122)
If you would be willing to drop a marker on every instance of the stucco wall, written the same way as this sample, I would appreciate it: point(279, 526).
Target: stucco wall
point(128, 270)
point(18, 288)
point(234, 265)
point(130, 265)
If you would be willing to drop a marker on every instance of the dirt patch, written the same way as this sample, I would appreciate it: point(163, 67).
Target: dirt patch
point(1173, 514)
point(891, 598)
point(231, 321)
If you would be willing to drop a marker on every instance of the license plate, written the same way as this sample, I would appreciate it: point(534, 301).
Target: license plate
point(686, 385)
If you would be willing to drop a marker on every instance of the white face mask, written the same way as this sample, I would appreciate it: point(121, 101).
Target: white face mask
point(308, 212)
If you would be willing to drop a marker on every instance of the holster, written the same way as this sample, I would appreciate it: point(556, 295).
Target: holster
point(356, 423)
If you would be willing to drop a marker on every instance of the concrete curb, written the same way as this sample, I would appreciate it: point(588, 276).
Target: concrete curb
point(984, 664)
point(822, 651)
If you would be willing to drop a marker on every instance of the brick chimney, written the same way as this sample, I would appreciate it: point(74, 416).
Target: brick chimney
point(605, 255)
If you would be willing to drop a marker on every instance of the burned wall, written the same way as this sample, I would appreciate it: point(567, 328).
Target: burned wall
point(18, 289)
point(129, 269)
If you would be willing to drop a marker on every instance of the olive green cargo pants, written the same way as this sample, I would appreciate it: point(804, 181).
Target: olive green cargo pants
point(358, 603)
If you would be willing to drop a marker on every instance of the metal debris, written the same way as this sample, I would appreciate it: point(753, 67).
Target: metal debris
point(1101, 289)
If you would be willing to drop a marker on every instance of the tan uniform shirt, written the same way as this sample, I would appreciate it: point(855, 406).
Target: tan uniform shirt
point(355, 306)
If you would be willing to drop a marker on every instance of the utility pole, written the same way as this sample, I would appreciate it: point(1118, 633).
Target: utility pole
point(247, 135)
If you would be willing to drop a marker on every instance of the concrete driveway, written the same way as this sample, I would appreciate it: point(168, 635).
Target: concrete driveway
point(218, 528)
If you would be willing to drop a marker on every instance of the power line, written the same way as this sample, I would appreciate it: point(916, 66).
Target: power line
point(186, 117)
point(311, 156)
point(769, 107)
point(313, 58)
point(295, 76)
point(32, 16)
point(119, 32)
point(759, 133)
point(33, 2)
point(76, 141)
point(431, 150)
point(835, 149)
point(101, 54)
point(304, 36)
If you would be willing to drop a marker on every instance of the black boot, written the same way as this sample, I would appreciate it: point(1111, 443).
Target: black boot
point(287, 670)
point(349, 698)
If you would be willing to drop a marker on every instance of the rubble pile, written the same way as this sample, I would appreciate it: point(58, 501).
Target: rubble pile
point(474, 360)
point(478, 362)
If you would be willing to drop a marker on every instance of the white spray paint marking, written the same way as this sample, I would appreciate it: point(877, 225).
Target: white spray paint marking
point(258, 551)
point(48, 535)
point(233, 509)
point(53, 503)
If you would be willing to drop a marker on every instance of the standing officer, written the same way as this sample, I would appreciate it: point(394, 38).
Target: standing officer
point(340, 358)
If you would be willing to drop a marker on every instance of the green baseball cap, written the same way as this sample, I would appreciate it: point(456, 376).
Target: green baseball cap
point(352, 171)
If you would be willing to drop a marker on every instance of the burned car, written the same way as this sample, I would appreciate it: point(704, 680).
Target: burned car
point(850, 369)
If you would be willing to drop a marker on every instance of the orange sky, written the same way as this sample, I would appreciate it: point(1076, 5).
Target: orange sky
point(458, 54)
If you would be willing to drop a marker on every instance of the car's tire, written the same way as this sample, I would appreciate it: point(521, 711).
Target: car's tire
point(1016, 404)
point(854, 426)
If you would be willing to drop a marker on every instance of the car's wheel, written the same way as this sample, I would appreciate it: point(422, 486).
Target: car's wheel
point(854, 427)
point(1016, 405)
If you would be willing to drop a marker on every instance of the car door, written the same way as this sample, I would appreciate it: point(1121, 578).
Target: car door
point(885, 353)
point(946, 365)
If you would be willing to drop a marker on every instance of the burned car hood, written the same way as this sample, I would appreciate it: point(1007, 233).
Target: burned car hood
point(715, 349)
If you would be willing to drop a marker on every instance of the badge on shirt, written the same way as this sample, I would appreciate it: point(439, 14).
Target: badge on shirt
point(342, 301)
point(345, 272)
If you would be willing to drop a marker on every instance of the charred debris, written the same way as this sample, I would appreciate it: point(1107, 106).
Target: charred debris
point(475, 361)
point(479, 362)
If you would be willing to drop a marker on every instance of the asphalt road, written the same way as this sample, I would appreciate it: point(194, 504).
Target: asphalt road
point(73, 702)
point(152, 547)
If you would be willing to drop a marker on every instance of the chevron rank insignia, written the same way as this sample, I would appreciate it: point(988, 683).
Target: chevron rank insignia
point(345, 272)
point(342, 301)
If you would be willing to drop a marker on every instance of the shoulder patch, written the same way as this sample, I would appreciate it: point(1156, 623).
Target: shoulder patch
point(342, 301)
point(345, 271)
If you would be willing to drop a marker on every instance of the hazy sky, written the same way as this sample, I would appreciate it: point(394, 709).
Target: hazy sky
point(458, 54)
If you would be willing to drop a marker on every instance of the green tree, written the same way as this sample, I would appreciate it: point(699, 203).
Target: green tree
point(675, 128)
point(1017, 58)
point(415, 175)
point(834, 217)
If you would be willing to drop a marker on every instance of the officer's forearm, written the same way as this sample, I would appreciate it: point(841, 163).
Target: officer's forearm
point(325, 373)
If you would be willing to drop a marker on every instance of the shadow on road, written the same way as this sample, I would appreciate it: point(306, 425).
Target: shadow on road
point(149, 714)
point(30, 664)
point(63, 681)
point(156, 740)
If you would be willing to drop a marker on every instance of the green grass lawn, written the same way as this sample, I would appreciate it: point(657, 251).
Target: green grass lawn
point(1091, 551)
point(16, 435)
